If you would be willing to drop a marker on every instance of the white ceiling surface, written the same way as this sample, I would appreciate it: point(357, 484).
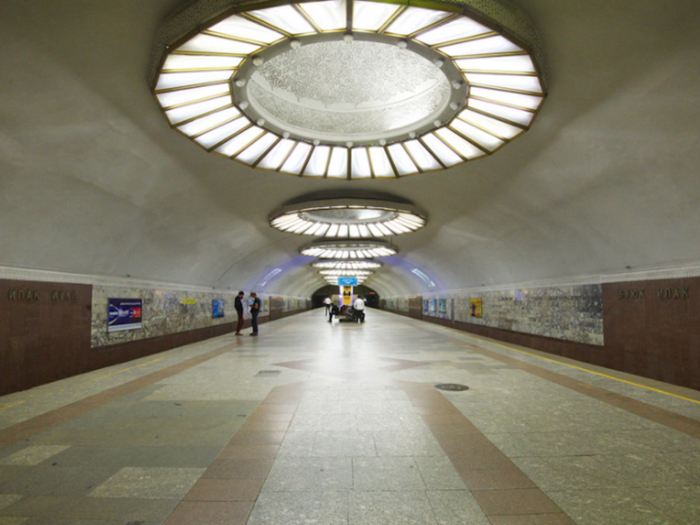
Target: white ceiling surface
point(93, 180)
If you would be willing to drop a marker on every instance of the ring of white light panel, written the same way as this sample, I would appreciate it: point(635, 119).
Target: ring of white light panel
point(334, 280)
point(346, 265)
point(397, 219)
point(349, 249)
point(498, 94)
point(346, 273)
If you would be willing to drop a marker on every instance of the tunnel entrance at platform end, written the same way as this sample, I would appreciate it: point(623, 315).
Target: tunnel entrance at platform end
point(370, 296)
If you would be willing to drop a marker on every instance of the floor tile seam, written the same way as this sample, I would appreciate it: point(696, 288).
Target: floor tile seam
point(512, 466)
point(662, 416)
point(530, 353)
point(43, 422)
point(262, 480)
point(23, 430)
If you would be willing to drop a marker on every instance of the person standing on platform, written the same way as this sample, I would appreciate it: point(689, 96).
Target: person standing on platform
point(254, 311)
point(327, 303)
point(333, 311)
point(238, 305)
point(359, 309)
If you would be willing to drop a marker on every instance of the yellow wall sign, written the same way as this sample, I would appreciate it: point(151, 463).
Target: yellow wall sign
point(347, 295)
point(474, 307)
point(189, 301)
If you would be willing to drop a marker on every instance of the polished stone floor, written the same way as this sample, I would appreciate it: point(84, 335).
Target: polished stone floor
point(312, 423)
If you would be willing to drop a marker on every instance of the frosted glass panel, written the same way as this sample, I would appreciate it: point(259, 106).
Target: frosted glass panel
point(204, 123)
point(328, 15)
point(215, 136)
point(360, 164)
point(286, 18)
point(238, 26)
point(493, 126)
point(175, 80)
point(415, 18)
point(477, 135)
point(370, 16)
point(514, 115)
point(380, 163)
point(519, 82)
point(274, 159)
point(253, 152)
point(338, 167)
point(493, 44)
point(178, 115)
point(201, 62)
point(318, 162)
point(441, 151)
point(456, 29)
point(515, 99)
point(184, 96)
point(297, 158)
point(422, 156)
point(520, 64)
point(217, 45)
point(401, 160)
point(239, 142)
point(465, 148)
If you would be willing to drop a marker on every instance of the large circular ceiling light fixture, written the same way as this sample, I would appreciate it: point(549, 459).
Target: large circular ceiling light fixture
point(334, 280)
point(346, 273)
point(349, 217)
point(350, 89)
point(346, 265)
point(349, 249)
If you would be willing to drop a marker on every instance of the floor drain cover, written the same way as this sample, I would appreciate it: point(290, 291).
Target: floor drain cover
point(453, 387)
point(269, 372)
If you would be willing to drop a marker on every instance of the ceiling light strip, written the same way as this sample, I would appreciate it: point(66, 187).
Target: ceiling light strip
point(241, 39)
point(436, 157)
point(391, 19)
point(203, 115)
point(308, 18)
point(263, 23)
point(434, 25)
point(462, 40)
point(219, 144)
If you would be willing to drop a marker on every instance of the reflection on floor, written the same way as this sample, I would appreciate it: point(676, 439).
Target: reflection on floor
point(341, 424)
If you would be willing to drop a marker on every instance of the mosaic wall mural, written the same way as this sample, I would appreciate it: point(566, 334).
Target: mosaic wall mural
point(571, 313)
point(168, 312)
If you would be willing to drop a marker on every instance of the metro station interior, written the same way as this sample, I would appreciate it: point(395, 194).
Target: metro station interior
point(510, 187)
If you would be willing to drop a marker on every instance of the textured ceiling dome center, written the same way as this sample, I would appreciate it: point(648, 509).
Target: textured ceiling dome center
point(352, 90)
point(350, 215)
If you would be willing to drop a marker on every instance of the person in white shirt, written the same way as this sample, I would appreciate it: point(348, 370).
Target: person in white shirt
point(359, 309)
point(327, 302)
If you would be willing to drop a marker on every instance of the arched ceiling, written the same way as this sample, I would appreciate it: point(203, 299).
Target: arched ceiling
point(94, 181)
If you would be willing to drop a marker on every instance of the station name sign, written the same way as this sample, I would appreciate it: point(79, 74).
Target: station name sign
point(27, 295)
point(660, 293)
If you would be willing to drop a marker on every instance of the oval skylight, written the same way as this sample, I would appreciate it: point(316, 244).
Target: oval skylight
point(351, 89)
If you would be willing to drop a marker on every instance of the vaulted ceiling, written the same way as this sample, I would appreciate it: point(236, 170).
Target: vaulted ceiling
point(94, 181)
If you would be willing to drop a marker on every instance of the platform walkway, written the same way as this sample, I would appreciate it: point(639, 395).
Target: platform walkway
point(342, 425)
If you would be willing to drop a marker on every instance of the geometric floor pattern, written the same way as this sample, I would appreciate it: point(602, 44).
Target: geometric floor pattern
point(342, 425)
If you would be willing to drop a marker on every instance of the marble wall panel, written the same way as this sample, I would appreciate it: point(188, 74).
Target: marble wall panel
point(571, 313)
point(165, 312)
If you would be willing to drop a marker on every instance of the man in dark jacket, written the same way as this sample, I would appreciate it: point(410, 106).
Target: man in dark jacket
point(254, 311)
point(238, 305)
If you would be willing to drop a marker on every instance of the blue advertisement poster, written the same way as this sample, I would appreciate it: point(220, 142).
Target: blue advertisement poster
point(443, 306)
point(433, 306)
point(217, 308)
point(426, 306)
point(124, 314)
